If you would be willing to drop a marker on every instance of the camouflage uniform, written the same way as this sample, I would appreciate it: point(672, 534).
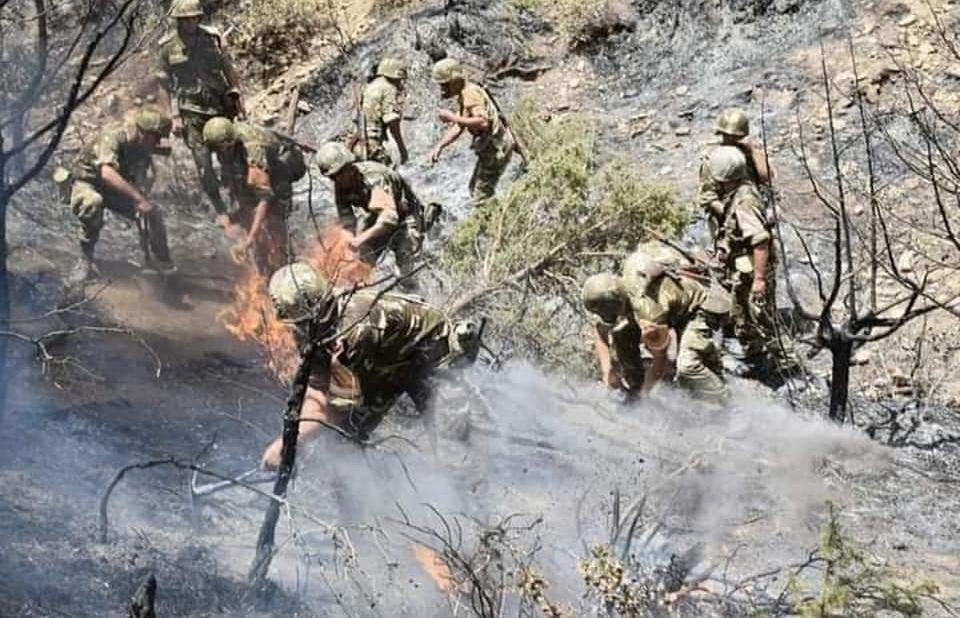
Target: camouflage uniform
point(710, 188)
point(673, 301)
point(624, 339)
point(745, 227)
point(89, 196)
point(407, 239)
point(194, 71)
point(382, 104)
point(252, 173)
point(392, 344)
point(494, 147)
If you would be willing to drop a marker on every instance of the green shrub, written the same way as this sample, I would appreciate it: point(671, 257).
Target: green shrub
point(272, 36)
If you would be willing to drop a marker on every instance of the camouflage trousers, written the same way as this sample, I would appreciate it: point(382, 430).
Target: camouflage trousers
point(406, 242)
point(202, 157)
point(88, 203)
point(772, 359)
point(699, 368)
point(376, 151)
point(492, 161)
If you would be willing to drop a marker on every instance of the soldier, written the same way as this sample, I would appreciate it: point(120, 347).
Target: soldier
point(661, 298)
point(198, 82)
point(381, 112)
point(393, 213)
point(744, 244)
point(259, 168)
point(733, 127)
point(493, 141)
point(374, 347)
point(617, 337)
point(113, 172)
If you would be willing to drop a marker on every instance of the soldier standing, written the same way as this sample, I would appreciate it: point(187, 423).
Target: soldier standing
point(744, 244)
point(113, 172)
point(393, 213)
point(259, 169)
point(374, 348)
point(198, 82)
point(478, 114)
point(733, 128)
point(381, 110)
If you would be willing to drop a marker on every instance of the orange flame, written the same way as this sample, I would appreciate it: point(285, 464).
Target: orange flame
point(251, 317)
point(436, 567)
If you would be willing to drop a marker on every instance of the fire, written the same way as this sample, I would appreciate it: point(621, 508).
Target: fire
point(436, 567)
point(251, 316)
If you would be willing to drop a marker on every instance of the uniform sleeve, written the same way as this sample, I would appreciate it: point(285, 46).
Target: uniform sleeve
point(108, 149)
point(359, 346)
point(473, 103)
point(708, 189)
point(389, 105)
point(384, 205)
point(751, 221)
point(162, 70)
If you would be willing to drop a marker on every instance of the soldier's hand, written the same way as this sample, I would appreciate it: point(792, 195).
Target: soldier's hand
point(759, 287)
point(434, 156)
point(446, 116)
point(271, 456)
point(239, 251)
point(144, 207)
point(223, 221)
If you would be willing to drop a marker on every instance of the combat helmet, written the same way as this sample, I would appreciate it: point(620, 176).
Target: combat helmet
point(392, 68)
point(733, 121)
point(297, 291)
point(446, 70)
point(219, 132)
point(603, 295)
point(152, 119)
point(186, 8)
point(333, 157)
point(727, 164)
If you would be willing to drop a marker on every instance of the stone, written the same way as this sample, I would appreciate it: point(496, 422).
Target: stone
point(907, 20)
point(906, 261)
point(682, 131)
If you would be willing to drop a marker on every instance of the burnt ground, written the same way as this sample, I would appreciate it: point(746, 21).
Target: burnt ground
point(751, 481)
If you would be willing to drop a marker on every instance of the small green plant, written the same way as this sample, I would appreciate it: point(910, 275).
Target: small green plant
point(271, 36)
point(575, 211)
point(853, 585)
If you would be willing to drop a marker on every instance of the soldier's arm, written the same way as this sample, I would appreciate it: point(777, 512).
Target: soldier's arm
point(112, 178)
point(231, 73)
point(383, 204)
point(258, 180)
point(708, 199)
point(656, 339)
point(314, 411)
point(602, 348)
point(753, 227)
point(450, 136)
point(390, 114)
point(761, 258)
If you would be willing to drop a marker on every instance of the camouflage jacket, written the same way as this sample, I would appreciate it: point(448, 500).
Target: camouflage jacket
point(709, 188)
point(668, 301)
point(358, 198)
point(249, 170)
point(382, 102)
point(744, 227)
point(194, 70)
point(113, 147)
point(476, 102)
point(382, 342)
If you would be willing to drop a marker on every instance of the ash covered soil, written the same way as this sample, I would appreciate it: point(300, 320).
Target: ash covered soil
point(750, 482)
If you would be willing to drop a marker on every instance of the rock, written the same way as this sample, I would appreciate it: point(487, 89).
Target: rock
point(857, 210)
point(907, 20)
point(304, 107)
point(906, 261)
point(666, 170)
point(682, 131)
point(682, 91)
point(862, 357)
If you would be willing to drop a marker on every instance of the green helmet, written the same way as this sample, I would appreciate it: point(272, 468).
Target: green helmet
point(152, 119)
point(392, 68)
point(186, 8)
point(447, 70)
point(603, 295)
point(297, 290)
point(734, 122)
point(219, 132)
point(333, 157)
point(727, 164)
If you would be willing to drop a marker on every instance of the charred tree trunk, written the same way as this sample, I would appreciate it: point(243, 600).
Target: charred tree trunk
point(4, 284)
point(842, 352)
